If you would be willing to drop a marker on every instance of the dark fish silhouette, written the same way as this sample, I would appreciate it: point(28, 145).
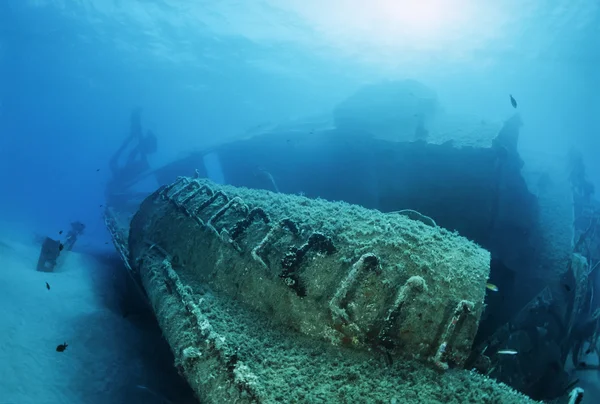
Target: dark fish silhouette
point(62, 347)
point(513, 102)
point(97, 169)
point(47, 286)
point(60, 232)
point(60, 246)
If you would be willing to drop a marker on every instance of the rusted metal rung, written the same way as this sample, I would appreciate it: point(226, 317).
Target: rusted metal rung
point(183, 193)
point(285, 224)
point(293, 259)
point(234, 202)
point(168, 191)
point(197, 219)
point(210, 200)
point(257, 250)
point(463, 309)
point(190, 205)
point(365, 262)
point(195, 201)
point(208, 190)
point(413, 286)
point(242, 225)
point(237, 201)
point(183, 201)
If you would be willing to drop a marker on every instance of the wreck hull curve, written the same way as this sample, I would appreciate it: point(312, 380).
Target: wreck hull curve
point(225, 329)
point(332, 271)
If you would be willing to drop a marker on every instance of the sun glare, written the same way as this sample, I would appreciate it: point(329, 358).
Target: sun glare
point(400, 24)
point(424, 19)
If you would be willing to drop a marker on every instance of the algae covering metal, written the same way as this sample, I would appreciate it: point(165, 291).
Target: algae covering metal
point(266, 297)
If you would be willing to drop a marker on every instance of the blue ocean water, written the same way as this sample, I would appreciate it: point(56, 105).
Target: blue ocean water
point(206, 73)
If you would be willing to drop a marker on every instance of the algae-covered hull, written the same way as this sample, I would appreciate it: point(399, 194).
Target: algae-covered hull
point(266, 297)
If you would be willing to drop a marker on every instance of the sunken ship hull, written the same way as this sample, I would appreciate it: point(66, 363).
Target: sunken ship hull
point(265, 297)
point(268, 290)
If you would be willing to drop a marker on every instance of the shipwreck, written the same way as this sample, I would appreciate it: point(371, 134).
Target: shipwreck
point(347, 257)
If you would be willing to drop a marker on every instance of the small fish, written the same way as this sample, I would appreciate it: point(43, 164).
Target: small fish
point(513, 102)
point(60, 232)
point(567, 287)
point(507, 352)
point(491, 287)
point(62, 347)
point(47, 286)
point(97, 169)
point(60, 246)
point(101, 205)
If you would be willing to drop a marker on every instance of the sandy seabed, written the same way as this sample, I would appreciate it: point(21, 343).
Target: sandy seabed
point(115, 351)
point(115, 354)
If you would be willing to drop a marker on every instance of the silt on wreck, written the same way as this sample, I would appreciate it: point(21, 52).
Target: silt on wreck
point(347, 259)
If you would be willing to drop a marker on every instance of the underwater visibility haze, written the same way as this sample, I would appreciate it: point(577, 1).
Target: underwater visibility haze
point(330, 201)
